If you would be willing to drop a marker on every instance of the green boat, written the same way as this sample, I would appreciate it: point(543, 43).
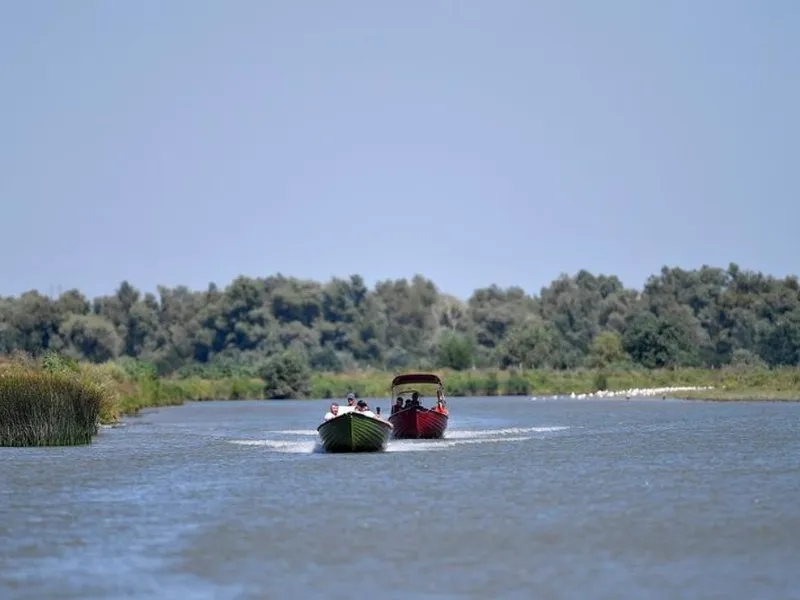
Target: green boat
point(354, 432)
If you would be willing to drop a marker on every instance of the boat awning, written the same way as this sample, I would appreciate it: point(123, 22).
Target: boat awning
point(411, 378)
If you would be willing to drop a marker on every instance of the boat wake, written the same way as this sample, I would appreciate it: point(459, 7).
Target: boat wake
point(461, 437)
point(428, 445)
point(453, 438)
point(456, 434)
point(284, 446)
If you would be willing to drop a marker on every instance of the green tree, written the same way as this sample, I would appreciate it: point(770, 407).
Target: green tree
point(286, 375)
point(529, 344)
point(455, 351)
point(708, 316)
point(606, 350)
point(91, 337)
point(657, 342)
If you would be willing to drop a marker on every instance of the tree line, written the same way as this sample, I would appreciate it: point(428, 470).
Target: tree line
point(707, 317)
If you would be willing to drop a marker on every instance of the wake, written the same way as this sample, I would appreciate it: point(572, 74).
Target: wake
point(452, 438)
point(476, 433)
point(286, 447)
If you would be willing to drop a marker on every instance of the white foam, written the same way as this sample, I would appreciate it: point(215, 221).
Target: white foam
point(427, 446)
point(495, 440)
point(412, 446)
point(293, 431)
point(281, 446)
point(471, 433)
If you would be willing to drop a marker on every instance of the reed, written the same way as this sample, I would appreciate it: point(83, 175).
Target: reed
point(48, 409)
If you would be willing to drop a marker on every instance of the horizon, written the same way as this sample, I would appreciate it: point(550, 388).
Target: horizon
point(477, 144)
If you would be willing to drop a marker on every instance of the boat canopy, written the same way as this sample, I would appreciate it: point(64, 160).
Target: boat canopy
point(412, 378)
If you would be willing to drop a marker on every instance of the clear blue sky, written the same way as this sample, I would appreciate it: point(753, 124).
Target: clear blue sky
point(183, 142)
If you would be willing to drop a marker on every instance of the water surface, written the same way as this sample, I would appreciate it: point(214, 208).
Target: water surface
point(552, 498)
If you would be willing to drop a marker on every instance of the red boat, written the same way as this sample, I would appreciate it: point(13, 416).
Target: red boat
point(409, 418)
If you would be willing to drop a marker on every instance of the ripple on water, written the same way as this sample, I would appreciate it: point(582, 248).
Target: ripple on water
point(602, 499)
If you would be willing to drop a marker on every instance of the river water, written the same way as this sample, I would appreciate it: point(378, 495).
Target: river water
point(553, 498)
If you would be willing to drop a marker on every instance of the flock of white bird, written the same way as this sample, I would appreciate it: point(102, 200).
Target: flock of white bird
point(633, 392)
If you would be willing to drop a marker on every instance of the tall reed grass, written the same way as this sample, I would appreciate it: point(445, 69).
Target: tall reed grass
point(47, 409)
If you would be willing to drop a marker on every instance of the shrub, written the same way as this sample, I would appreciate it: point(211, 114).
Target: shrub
point(286, 375)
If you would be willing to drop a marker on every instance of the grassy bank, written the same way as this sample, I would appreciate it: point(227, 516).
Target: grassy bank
point(54, 400)
point(727, 383)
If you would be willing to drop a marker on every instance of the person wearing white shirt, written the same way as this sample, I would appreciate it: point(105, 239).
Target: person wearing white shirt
point(333, 412)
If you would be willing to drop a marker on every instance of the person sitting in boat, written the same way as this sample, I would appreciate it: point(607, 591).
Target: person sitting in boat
point(334, 410)
point(363, 408)
point(398, 405)
point(415, 400)
point(440, 407)
point(351, 403)
point(378, 412)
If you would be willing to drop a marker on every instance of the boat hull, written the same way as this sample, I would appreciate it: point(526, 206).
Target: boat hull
point(354, 432)
point(418, 424)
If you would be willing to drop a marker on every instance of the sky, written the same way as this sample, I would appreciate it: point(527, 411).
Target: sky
point(504, 142)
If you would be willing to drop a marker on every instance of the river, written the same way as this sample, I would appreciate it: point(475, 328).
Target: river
point(553, 498)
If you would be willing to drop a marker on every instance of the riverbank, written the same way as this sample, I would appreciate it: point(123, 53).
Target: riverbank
point(732, 395)
point(126, 387)
point(708, 384)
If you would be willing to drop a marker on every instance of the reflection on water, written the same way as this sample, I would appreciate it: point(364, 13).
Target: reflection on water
point(546, 499)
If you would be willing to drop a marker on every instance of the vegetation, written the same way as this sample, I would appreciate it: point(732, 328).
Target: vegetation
point(281, 337)
point(709, 317)
point(51, 407)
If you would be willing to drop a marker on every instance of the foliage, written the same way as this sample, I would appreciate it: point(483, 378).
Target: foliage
point(456, 351)
point(707, 317)
point(286, 375)
point(606, 350)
